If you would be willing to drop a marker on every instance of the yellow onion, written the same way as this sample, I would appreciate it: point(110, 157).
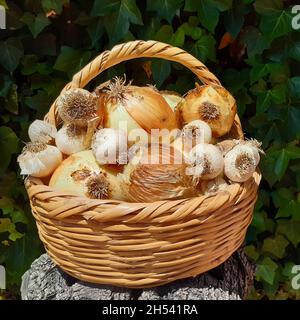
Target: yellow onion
point(173, 98)
point(81, 175)
point(212, 104)
point(137, 107)
point(165, 179)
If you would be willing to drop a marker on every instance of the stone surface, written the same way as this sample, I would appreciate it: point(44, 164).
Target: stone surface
point(230, 281)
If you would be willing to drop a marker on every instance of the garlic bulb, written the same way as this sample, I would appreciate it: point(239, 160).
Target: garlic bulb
point(137, 107)
point(205, 161)
point(78, 106)
point(213, 186)
point(198, 131)
point(71, 139)
point(153, 175)
point(39, 159)
point(212, 104)
point(41, 131)
point(110, 146)
point(240, 162)
point(81, 175)
point(172, 98)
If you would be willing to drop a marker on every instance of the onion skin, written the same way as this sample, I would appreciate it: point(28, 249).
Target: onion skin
point(145, 108)
point(199, 103)
point(157, 182)
point(75, 171)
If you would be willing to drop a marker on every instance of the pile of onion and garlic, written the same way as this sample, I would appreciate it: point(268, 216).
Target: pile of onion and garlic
point(138, 144)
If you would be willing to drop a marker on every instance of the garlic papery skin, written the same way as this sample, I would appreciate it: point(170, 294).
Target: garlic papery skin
point(198, 131)
point(81, 175)
point(78, 106)
point(110, 146)
point(226, 145)
point(41, 131)
point(39, 159)
point(205, 161)
point(145, 181)
point(240, 163)
point(215, 185)
point(141, 107)
point(211, 103)
point(71, 139)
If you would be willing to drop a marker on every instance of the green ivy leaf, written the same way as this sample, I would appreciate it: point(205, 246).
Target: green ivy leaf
point(268, 6)
point(208, 15)
point(222, 5)
point(276, 246)
point(255, 41)
point(71, 60)
point(287, 209)
point(5, 85)
point(292, 120)
point(21, 254)
point(290, 229)
point(104, 7)
point(161, 70)
point(11, 53)
point(36, 24)
point(294, 87)
point(11, 100)
point(204, 48)
point(276, 25)
point(165, 9)
point(266, 270)
point(123, 12)
point(56, 5)
point(252, 252)
point(39, 102)
point(95, 31)
point(281, 164)
point(234, 18)
point(7, 226)
point(8, 146)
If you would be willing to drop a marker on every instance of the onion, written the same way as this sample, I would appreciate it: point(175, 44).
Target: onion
point(81, 175)
point(212, 104)
point(165, 179)
point(137, 107)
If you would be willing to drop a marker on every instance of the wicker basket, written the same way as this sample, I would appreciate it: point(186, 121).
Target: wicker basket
point(139, 245)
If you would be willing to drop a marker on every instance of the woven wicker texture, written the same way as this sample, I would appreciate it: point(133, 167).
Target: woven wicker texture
point(141, 245)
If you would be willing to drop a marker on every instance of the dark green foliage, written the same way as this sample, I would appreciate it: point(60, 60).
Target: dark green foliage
point(47, 41)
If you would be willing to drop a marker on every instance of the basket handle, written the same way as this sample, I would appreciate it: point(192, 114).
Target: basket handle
point(132, 50)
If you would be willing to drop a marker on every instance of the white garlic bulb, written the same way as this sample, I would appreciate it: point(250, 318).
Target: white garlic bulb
point(198, 131)
point(39, 159)
point(110, 146)
point(205, 161)
point(71, 139)
point(212, 186)
point(240, 162)
point(41, 131)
